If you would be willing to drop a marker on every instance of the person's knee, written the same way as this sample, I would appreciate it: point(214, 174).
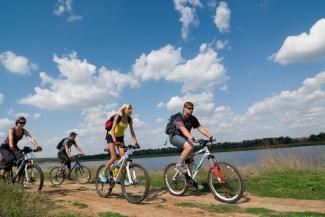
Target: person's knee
point(188, 146)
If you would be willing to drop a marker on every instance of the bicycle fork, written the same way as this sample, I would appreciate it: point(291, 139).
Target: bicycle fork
point(217, 171)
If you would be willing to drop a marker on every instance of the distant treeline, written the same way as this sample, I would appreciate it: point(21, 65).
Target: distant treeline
point(225, 146)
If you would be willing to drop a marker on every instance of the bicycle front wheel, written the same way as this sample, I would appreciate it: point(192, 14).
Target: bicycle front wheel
point(56, 176)
point(175, 181)
point(104, 185)
point(135, 184)
point(32, 178)
point(225, 182)
point(83, 174)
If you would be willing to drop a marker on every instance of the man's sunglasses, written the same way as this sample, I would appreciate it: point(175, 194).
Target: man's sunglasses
point(21, 122)
point(190, 108)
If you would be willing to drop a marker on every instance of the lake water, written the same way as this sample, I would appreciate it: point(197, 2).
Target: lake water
point(235, 157)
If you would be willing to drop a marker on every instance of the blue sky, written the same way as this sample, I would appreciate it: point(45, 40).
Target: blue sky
point(253, 68)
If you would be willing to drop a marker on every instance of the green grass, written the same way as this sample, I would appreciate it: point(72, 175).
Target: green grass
point(15, 203)
point(111, 214)
point(261, 212)
point(288, 184)
point(80, 205)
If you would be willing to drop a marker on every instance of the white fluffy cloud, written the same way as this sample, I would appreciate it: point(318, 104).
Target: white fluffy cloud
point(202, 72)
point(220, 45)
point(303, 47)
point(222, 17)
point(187, 10)
point(295, 113)
point(79, 85)
point(16, 64)
point(65, 7)
point(2, 98)
point(4, 123)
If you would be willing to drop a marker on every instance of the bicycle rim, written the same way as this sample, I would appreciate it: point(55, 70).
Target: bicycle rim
point(135, 186)
point(56, 177)
point(175, 181)
point(104, 189)
point(83, 175)
point(225, 182)
point(33, 180)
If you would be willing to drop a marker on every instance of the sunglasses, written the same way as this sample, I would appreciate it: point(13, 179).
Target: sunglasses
point(190, 108)
point(21, 122)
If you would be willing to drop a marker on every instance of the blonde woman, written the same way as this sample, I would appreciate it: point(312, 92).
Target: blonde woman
point(115, 137)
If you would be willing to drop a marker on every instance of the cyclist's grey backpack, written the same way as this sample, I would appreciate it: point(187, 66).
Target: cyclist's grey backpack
point(171, 127)
point(6, 159)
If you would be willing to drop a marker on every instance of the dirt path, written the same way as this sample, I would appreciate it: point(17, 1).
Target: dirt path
point(161, 204)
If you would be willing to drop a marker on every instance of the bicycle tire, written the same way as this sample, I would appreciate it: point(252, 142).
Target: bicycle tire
point(55, 177)
point(224, 182)
point(32, 180)
point(99, 184)
point(179, 180)
point(84, 170)
point(135, 179)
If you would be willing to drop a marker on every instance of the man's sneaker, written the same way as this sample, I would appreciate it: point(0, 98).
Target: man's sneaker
point(126, 182)
point(199, 187)
point(102, 177)
point(180, 168)
point(70, 178)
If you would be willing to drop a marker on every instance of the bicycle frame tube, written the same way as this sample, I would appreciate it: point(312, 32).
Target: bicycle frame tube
point(206, 154)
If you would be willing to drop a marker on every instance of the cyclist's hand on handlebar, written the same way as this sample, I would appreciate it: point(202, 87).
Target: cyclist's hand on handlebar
point(39, 148)
point(195, 140)
point(137, 146)
point(212, 139)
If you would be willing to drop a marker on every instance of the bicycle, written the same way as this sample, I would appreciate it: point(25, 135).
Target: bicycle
point(224, 180)
point(58, 174)
point(134, 178)
point(28, 174)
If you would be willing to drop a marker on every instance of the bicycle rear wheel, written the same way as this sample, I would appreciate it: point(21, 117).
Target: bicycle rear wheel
point(83, 174)
point(56, 177)
point(225, 182)
point(32, 178)
point(175, 181)
point(135, 185)
point(104, 188)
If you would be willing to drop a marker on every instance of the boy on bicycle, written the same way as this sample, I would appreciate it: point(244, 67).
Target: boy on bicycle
point(64, 151)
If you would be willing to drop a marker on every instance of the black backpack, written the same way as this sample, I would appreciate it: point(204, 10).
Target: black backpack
point(171, 127)
point(59, 146)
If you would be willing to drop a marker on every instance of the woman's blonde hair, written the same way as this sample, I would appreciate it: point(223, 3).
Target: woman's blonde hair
point(122, 109)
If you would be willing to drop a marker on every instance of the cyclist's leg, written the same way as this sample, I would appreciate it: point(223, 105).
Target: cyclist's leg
point(186, 149)
point(111, 148)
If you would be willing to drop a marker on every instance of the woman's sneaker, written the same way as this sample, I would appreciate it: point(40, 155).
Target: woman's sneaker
point(102, 177)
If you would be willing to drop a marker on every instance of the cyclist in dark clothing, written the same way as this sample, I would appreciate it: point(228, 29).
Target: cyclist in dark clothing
point(15, 134)
point(64, 152)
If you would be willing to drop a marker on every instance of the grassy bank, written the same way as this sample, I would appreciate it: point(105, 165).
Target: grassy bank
point(285, 176)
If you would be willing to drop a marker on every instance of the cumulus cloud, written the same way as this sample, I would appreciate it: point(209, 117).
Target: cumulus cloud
point(2, 98)
point(220, 45)
point(188, 18)
point(202, 72)
point(294, 113)
point(303, 47)
point(4, 123)
point(64, 7)
point(222, 17)
point(79, 85)
point(16, 64)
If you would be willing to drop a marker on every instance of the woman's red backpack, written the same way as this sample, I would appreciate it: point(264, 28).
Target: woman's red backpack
point(109, 122)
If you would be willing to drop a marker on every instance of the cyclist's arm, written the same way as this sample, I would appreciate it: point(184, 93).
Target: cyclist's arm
point(31, 139)
point(11, 138)
point(79, 149)
point(186, 133)
point(204, 132)
point(113, 127)
point(132, 133)
point(66, 148)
